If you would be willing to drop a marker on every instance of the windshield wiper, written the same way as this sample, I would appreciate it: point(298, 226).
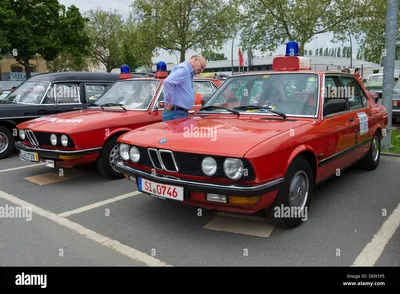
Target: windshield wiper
point(253, 107)
point(110, 105)
point(220, 107)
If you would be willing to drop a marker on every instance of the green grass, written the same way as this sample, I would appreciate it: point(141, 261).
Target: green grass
point(395, 141)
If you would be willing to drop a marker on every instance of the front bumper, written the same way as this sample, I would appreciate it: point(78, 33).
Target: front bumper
point(191, 186)
point(56, 154)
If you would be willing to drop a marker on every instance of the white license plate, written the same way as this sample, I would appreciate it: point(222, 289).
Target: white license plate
point(31, 156)
point(160, 190)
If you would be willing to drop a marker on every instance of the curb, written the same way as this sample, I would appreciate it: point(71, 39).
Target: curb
point(390, 154)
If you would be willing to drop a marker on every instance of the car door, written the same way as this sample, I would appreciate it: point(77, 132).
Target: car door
point(61, 97)
point(358, 105)
point(338, 129)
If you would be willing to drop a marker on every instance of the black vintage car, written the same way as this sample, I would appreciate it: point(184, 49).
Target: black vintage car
point(46, 94)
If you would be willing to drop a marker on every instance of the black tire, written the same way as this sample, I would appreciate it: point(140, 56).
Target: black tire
point(371, 160)
point(282, 212)
point(103, 162)
point(6, 139)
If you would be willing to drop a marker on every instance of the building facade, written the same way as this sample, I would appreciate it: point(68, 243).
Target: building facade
point(12, 70)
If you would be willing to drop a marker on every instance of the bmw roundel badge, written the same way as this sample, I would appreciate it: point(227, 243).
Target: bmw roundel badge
point(163, 141)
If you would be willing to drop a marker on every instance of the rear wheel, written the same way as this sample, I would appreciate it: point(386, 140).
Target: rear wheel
point(108, 158)
point(371, 160)
point(7, 142)
point(291, 205)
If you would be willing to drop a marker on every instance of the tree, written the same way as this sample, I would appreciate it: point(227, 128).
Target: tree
point(338, 52)
point(66, 61)
point(105, 30)
point(115, 42)
point(41, 27)
point(370, 31)
point(211, 55)
point(277, 21)
point(310, 52)
point(187, 24)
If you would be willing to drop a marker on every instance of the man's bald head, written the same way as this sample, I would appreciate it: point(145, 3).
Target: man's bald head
point(198, 63)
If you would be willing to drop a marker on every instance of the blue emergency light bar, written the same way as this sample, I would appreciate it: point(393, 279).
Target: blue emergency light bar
point(292, 48)
point(161, 66)
point(125, 68)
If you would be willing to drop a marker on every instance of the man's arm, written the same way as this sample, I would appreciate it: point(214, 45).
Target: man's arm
point(175, 78)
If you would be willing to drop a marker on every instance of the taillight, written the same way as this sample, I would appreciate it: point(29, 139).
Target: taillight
point(395, 103)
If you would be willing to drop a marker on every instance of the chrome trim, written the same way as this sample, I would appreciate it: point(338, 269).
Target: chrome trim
point(32, 138)
point(173, 159)
point(67, 152)
point(151, 157)
point(183, 182)
point(396, 110)
point(14, 117)
point(160, 159)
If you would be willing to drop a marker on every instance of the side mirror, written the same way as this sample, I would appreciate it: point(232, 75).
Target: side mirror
point(334, 106)
point(364, 80)
point(161, 104)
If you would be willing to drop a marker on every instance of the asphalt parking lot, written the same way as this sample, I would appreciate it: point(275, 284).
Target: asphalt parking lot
point(80, 218)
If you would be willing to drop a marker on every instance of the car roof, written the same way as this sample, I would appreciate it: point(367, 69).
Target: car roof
point(75, 76)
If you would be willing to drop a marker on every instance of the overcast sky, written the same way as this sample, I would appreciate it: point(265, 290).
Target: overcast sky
point(123, 6)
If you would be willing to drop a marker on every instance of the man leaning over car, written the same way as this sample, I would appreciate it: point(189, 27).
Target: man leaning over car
point(178, 88)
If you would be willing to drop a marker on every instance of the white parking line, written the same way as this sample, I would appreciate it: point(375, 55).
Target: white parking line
point(110, 243)
point(374, 249)
point(97, 204)
point(21, 167)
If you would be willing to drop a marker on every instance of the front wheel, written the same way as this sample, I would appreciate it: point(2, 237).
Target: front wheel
point(291, 205)
point(108, 158)
point(7, 142)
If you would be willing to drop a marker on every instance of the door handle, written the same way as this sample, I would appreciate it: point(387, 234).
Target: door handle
point(351, 119)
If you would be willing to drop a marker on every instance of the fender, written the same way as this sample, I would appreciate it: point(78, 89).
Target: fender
point(116, 131)
point(296, 152)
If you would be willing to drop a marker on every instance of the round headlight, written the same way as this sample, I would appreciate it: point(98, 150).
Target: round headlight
point(53, 139)
point(124, 151)
point(21, 134)
point(233, 168)
point(134, 154)
point(209, 166)
point(64, 140)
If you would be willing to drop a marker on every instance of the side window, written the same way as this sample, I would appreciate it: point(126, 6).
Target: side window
point(334, 101)
point(65, 93)
point(214, 87)
point(94, 91)
point(203, 88)
point(353, 93)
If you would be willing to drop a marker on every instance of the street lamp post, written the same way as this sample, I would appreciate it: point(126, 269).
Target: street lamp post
point(388, 67)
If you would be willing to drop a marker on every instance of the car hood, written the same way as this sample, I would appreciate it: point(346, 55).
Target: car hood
point(83, 120)
point(217, 136)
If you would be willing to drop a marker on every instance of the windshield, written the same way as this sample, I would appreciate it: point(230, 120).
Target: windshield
point(29, 92)
point(377, 78)
point(132, 94)
point(3, 95)
point(288, 93)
